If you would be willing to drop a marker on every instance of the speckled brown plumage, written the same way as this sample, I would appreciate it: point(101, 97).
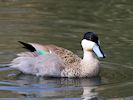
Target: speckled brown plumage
point(71, 61)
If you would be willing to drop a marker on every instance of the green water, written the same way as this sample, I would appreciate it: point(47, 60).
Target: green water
point(63, 22)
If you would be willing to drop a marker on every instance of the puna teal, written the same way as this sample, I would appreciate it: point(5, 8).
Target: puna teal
point(54, 61)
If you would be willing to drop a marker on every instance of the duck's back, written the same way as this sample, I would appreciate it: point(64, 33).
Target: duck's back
point(68, 57)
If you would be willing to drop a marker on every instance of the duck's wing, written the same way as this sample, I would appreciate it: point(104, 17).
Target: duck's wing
point(68, 57)
point(38, 61)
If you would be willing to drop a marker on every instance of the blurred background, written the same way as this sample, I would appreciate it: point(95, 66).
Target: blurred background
point(63, 22)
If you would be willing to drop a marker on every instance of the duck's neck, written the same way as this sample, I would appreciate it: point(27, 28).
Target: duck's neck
point(88, 56)
point(89, 64)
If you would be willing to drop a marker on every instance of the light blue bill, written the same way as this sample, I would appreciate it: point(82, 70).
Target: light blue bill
point(97, 50)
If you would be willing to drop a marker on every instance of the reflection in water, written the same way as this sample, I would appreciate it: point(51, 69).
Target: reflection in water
point(31, 86)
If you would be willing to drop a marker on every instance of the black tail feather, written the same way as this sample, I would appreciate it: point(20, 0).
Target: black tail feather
point(27, 46)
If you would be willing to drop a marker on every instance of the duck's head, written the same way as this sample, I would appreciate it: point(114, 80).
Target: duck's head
point(90, 43)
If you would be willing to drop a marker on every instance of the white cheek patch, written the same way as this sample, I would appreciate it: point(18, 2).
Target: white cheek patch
point(86, 44)
point(90, 45)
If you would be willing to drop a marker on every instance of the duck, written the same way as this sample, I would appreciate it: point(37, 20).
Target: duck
point(54, 61)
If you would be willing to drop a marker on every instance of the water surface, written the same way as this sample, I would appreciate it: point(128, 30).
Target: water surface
point(63, 22)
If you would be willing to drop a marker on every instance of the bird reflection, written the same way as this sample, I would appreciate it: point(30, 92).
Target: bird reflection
point(32, 86)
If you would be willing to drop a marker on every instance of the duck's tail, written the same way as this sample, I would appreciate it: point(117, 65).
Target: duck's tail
point(24, 62)
point(28, 46)
point(35, 48)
